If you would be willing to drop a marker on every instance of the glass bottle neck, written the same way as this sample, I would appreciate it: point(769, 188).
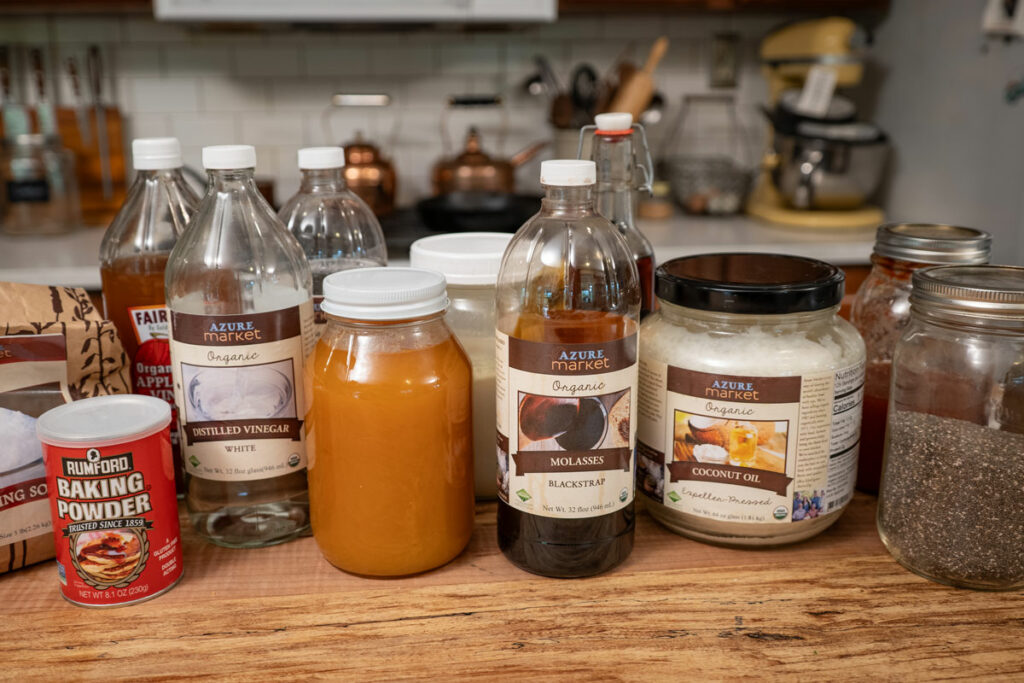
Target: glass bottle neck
point(616, 170)
point(152, 174)
point(231, 180)
point(321, 179)
point(559, 199)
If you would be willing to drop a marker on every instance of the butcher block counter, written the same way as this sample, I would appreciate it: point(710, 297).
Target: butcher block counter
point(834, 607)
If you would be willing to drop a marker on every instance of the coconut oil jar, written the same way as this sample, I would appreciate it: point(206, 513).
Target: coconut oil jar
point(749, 399)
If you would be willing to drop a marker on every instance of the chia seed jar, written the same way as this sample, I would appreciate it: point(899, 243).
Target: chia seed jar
point(749, 399)
point(881, 312)
point(951, 504)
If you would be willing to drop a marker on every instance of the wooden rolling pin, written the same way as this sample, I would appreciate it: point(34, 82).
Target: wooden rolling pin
point(635, 94)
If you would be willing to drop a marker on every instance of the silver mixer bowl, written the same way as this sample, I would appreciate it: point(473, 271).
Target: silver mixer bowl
point(828, 173)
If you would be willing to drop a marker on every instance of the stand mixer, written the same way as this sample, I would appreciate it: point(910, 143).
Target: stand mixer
point(818, 170)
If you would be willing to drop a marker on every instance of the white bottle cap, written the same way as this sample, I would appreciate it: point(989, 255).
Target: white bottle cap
point(384, 293)
point(313, 158)
point(568, 172)
point(614, 121)
point(150, 154)
point(464, 258)
point(229, 156)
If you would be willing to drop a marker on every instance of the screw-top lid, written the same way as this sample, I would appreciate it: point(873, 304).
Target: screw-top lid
point(567, 172)
point(982, 291)
point(757, 284)
point(229, 156)
point(933, 243)
point(464, 258)
point(384, 293)
point(614, 122)
point(150, 154)
point(315, 158)
point(103, 420)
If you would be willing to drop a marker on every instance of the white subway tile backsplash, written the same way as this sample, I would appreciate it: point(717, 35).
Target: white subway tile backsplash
point(222, 92)
point(403, 60)
point(184, 59)
point(18, 31)
point(267, 61)
point(272, 129)
point(137, 60)
point(163, 95)
point(201, 130)
point(474, 59)
point(149, 126)
point(337, 60)
point(76, 29)
point(141, 30)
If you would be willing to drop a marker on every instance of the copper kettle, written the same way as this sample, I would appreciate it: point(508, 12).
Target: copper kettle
point(473, 170)
point(370, 175)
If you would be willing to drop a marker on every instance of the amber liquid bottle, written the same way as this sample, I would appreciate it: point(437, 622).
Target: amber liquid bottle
point(133, 257)
point(568, 307)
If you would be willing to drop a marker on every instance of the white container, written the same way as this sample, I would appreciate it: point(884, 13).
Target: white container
point(470, 262)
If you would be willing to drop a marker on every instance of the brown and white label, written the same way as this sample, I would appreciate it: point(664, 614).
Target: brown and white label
point(566, 425)
point(239, 391)
point(748, 449)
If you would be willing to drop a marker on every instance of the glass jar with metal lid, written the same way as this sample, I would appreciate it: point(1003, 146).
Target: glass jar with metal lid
point(951, 504)
point(749, 399)
point(881, 311)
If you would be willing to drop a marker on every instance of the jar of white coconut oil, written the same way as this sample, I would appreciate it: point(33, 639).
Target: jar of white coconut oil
point(749, 399)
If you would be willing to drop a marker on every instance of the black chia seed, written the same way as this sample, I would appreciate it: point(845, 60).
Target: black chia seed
point(951, 505)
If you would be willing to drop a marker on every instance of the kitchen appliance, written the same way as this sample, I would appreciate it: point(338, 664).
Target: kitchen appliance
point(401, 11)
point(473, 170)
point(477, 211)
point(367, 171)
point(821, 166)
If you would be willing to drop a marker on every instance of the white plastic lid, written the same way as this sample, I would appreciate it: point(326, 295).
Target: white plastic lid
point(314, 158)
point(103, 420)
point(568, 172)
point(229, 156)
point(614, 121)
point(464, 258)
point(149, 154)
point(384, 293)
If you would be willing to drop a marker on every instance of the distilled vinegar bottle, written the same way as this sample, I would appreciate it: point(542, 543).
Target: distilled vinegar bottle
point(568, 306)
point(240, 294)
point(133, 258)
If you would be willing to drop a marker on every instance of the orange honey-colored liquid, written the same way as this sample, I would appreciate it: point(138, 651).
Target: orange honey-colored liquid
point(128, 282)
point(391, 472)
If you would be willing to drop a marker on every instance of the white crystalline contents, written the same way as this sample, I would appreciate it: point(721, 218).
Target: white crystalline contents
point(21, 445)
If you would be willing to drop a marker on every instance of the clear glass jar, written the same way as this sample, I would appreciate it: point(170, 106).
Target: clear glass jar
point(391, 467)
point(469, 262)
point(750, 391)
point(565, 378)
point(39, 188)
point(881, 312)
point(951, 504)
point(334, 227)
point(239, 292)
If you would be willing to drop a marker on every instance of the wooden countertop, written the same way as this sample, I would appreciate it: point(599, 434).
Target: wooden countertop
point(836, 606)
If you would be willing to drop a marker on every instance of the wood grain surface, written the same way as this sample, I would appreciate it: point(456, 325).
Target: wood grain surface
point(834, 607)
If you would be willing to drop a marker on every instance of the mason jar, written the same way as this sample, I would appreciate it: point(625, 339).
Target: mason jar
point(469, 262)
point(951, 503)
point(749, 401)
point(881, 311)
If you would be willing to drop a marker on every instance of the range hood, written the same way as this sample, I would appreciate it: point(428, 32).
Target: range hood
point(342, 11)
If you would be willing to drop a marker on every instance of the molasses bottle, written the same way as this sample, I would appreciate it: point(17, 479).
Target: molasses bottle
point(568, 307)
point(617, 144)
point(241, 310)
point(133, 258)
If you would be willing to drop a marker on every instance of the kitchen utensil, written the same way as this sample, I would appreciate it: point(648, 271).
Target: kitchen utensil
point(547, 74)
point(15, 116)
point(562, 111)
point(634, 94)
point(81, 110)
point(829, 166)
point(46, 119)
point(473, 170)
point(477, 211)
point(584, 91)
point(94, 65)
point(367, 171)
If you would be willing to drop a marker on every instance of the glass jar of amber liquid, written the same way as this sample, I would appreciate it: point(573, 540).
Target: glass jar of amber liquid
point(881, 312)
point(566, 382)
point(391, 468)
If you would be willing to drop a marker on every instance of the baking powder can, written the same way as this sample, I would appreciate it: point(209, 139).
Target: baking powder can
point(110, 477)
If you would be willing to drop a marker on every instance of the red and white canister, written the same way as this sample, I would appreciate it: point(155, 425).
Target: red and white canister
point(110, 477)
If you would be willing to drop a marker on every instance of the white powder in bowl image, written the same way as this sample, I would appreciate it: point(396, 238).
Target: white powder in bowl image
point(709, 453)
point(21, 458)
point(242, 393)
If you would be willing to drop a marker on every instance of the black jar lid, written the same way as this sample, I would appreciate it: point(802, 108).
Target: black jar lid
point(756, 284)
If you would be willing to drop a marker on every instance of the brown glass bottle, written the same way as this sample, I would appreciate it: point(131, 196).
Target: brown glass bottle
point(568, 296)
